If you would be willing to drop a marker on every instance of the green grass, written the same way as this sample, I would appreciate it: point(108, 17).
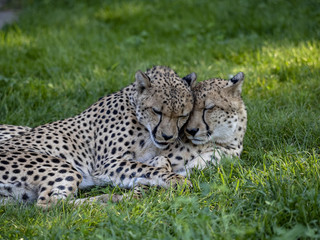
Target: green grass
point(63, 55)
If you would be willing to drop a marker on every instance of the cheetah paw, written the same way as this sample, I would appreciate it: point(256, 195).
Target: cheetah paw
point(180, 180)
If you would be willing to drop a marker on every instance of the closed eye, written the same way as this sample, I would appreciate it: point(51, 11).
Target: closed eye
point(156, 111)
point(209, 107)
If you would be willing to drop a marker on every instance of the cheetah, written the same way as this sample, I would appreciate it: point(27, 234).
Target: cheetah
point(216, 127)
point(207, 139)
point(105, 144)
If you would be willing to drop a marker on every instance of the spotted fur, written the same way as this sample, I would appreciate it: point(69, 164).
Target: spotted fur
point(102, 145)
point(215, 128)
point(10, 131)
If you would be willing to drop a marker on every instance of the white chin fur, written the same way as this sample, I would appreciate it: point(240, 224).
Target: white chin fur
point(223, 134)
point(198, 142)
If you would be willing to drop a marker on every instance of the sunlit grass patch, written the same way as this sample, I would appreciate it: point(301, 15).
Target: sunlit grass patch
point(64, 55)
point(120, 12)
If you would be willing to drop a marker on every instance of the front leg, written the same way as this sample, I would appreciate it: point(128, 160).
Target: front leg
point(183, 162)
point(161, 162)
point(129, 173)
point(204, 159)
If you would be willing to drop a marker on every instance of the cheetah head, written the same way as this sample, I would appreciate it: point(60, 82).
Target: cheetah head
point(217, 109)
point(164, 102)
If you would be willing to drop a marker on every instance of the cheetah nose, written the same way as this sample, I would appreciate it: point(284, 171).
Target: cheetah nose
point(192, 131)
point(166, 137)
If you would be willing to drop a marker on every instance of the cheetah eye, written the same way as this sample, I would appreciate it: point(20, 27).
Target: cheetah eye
point(156, 111)
point(209, 107)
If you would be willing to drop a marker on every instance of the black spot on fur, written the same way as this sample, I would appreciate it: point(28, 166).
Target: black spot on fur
point(69, 178)
point(119, 169)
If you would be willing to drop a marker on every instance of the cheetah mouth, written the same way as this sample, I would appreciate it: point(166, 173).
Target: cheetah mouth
point(162, 143)
point(198, 141)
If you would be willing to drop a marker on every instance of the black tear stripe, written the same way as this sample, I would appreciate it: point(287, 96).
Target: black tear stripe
point(178, 126)
point(207, 127)
point(156, 128)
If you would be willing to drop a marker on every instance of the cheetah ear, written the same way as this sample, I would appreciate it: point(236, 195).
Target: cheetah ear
point(238, 77)
point(190, 79)
point(143, 81)
point(235, 88)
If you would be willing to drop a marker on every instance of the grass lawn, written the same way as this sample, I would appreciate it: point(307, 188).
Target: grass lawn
point(63, 55)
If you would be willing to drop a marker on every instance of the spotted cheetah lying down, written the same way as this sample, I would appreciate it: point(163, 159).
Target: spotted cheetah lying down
point(105, 144)
point(216, 127)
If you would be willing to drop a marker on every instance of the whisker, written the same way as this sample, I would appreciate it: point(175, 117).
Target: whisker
point(178, 140)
